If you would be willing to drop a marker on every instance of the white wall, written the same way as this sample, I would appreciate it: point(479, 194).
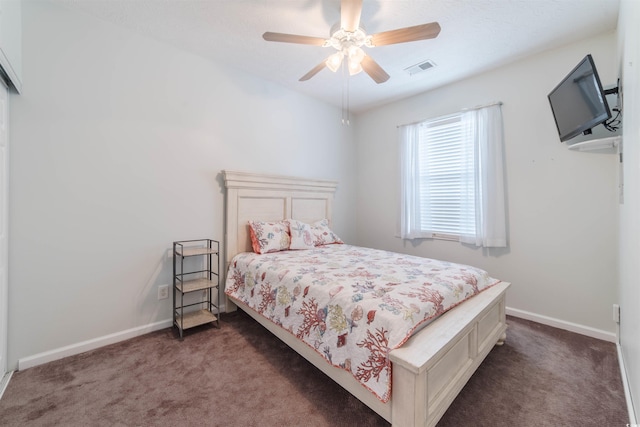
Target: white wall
point(117, 144)
point(562, 205)
point(629, 39)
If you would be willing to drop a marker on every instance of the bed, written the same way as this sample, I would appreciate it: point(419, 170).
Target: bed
point(430, 368)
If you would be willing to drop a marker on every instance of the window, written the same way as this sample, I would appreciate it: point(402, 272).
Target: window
point(452, 178)
point(445, 177)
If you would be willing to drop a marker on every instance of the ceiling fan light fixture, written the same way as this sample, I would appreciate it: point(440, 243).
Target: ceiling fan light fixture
point(356, 55)
point(354, 68)
point(334, 61)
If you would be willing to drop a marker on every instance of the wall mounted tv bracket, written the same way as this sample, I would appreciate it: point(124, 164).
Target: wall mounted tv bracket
point(613, 124)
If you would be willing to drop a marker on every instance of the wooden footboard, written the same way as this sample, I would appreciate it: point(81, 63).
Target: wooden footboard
point(431, 368)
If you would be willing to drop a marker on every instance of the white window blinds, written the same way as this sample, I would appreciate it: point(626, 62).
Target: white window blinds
point(446, 184)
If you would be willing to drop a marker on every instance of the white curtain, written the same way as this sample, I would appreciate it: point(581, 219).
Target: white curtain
point(409, 166)
point(486, 129)
point(483, 197)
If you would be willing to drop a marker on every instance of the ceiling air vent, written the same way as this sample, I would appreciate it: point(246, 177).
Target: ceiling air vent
point(418, 68)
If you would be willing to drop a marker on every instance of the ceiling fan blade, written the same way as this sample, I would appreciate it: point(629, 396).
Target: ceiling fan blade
point(292, 38)
point(408, 34)
point(315, 70)
point(375, 71)
point(350, 11)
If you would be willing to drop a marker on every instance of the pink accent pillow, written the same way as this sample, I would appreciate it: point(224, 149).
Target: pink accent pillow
point(269, 236)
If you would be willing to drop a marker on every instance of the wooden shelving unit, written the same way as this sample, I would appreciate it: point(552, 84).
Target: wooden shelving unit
point(205, 279)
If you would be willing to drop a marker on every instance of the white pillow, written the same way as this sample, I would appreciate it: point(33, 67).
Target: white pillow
point(308, 236)
point(301, 235)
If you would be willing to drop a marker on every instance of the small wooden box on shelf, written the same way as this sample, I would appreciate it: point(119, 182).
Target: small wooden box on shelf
point(201, 279)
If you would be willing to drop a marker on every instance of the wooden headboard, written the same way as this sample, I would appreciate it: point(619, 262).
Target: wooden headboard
point(262, 197)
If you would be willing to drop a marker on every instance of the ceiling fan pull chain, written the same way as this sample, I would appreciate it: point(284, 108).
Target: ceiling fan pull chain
point(345, 95)
point(347, 79)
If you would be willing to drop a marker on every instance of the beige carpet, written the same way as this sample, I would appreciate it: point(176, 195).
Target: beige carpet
point(240, 375)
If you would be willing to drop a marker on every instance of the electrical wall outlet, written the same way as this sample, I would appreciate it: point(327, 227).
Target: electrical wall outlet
point(616, 313)
point(163, 292)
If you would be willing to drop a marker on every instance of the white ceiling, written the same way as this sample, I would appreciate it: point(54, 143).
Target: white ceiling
point(476, 35)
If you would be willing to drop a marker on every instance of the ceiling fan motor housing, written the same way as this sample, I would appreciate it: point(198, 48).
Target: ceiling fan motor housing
point(342, 39)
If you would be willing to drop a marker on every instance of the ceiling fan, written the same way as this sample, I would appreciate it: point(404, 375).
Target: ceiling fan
point(348, 38)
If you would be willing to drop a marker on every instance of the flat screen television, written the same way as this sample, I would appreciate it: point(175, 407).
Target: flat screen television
point(578, 102)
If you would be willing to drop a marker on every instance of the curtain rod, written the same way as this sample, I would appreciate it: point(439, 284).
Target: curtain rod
point(477, 107)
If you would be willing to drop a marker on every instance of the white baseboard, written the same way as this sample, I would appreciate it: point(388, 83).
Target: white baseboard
point(627, 390)
point(4, 382)
point(562, 324)
point(92, 344)
point(70, 350)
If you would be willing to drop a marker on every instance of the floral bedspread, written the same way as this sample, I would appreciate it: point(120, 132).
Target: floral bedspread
point(352, 305)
